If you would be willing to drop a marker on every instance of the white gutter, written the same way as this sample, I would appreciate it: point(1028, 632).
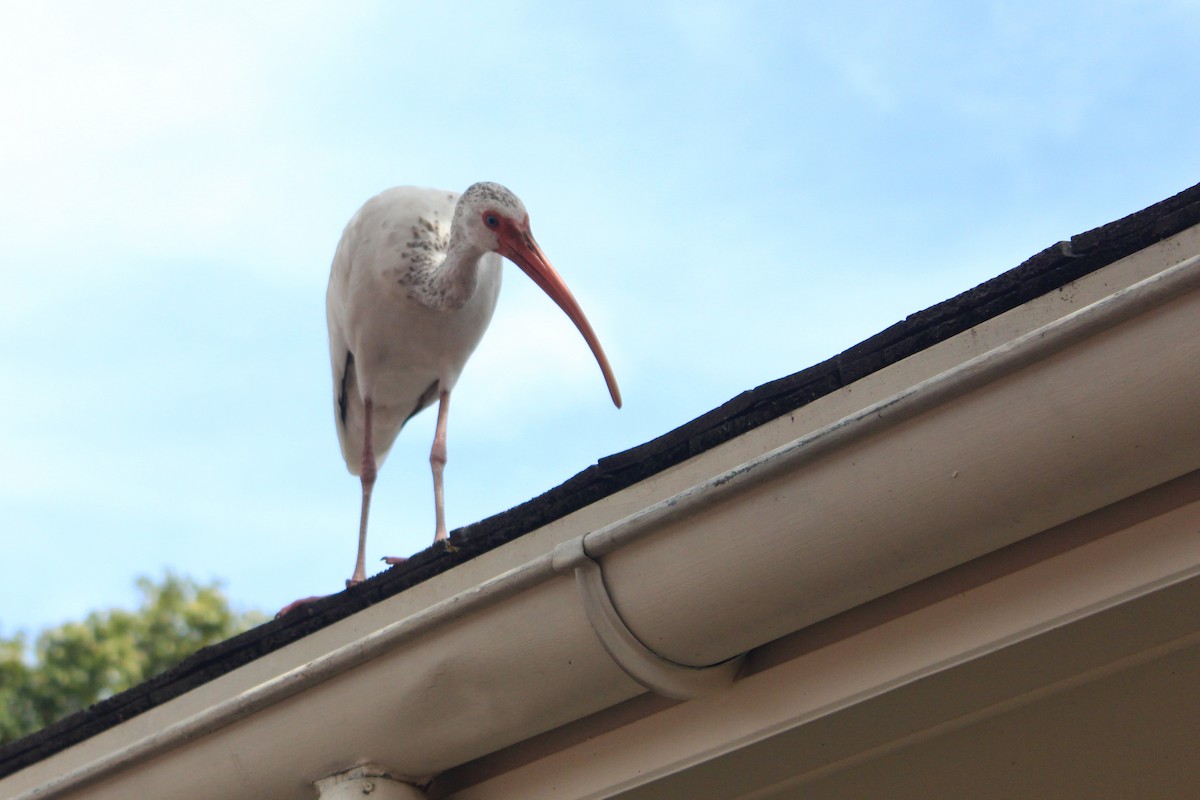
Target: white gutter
point(618, 614)
point(1034, 346)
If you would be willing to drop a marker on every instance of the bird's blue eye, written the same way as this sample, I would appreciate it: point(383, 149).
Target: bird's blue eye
point(491, 220)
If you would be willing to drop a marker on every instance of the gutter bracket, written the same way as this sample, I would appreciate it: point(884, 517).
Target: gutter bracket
point(660, 675)
point(367, 779)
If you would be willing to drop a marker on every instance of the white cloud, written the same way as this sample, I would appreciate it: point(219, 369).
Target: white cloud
point(138, 132)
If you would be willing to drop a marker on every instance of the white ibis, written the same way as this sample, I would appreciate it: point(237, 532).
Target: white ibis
point(413, 286)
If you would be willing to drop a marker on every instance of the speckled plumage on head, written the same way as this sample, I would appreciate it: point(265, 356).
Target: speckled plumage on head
point(486, 193)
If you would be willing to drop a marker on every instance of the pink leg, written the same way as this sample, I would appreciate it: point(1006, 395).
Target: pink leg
point(367, 474)
point(437, 460)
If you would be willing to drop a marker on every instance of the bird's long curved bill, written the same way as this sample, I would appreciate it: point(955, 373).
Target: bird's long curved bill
point(520, 248)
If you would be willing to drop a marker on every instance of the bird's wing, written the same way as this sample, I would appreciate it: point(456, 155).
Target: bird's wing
point(346, 403)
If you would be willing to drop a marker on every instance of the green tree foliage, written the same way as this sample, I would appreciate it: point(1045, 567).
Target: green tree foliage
point(79, 663)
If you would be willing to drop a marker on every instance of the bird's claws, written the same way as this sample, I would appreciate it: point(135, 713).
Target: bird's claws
point(440, 545)
point(292, 606)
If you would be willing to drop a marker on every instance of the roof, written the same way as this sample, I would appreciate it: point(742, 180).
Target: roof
point(1050, 270)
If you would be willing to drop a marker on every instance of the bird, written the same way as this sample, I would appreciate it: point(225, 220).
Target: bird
point(413, 285)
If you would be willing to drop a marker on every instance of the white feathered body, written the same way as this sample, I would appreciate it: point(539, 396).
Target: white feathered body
point(401, 327)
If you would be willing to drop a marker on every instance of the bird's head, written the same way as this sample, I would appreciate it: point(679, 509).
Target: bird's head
point(491, 217)
point(494, 219)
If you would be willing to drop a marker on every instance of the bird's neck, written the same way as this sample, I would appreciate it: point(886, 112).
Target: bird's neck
point(447, 284)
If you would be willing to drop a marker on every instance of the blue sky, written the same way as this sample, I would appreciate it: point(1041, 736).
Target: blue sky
point(733, 190)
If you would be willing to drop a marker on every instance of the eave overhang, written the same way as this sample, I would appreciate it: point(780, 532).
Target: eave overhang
point(1069, 407)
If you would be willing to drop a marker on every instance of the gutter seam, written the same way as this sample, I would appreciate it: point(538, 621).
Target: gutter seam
point(652, 670)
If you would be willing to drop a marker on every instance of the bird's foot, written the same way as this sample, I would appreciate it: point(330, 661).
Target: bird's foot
point(441, 545)
point(292, 606)
point(303, 601)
